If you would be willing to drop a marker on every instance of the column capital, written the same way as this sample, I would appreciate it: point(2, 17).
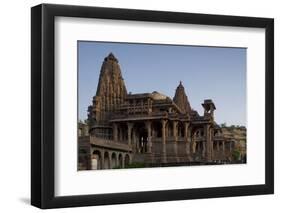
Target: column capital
point(164, 121)
point(130, 125)
point(186, 124)
point(175, 132)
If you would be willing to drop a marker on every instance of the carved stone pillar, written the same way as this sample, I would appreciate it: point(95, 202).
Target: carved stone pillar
point(134, 143)
point(123, 161)
point(120, 135)
point(115, 132)
point(211, 143)
point(149, 142)
point(110, 160)
point(230, 146)
point(130, 126)
point(164, 157)
point(187, 138)
point(208, 142)
point(175, 134)
point(102, 160)
point(204, 149)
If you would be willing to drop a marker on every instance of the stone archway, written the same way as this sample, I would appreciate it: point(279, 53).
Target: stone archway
point(120, 160)
point(113, 160)
point(127, 160)
point(96, 160)
point(169, 129)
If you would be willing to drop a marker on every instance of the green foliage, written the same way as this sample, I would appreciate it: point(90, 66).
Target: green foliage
point(117, 167)
point(232, 126)
point(223, 125)
point(236, 154)
point(132, 165)
point(135, 165)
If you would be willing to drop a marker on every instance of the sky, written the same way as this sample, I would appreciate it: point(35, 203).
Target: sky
point(216, 73)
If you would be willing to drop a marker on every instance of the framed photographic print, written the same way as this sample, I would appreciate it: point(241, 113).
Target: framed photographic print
point(139, 106)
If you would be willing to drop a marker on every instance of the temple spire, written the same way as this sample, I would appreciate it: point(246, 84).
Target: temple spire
point(111, 90)
point(181, 99)
point(110, 75)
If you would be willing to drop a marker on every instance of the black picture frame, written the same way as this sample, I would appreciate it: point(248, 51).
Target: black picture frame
point(43, 102)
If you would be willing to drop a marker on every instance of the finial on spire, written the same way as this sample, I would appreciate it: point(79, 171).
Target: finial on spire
point(111, 57)
point(180, 85)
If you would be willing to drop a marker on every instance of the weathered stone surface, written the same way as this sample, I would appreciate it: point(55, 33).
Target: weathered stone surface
point(151, 128)
point(111, 91)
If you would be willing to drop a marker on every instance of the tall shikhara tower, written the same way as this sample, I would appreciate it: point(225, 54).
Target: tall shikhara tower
point(181, 99)
point(111, 91)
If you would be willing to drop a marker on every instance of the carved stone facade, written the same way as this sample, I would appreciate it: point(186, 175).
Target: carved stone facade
point(149, 128)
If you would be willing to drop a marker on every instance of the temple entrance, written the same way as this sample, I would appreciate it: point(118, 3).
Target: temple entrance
point(142, 138)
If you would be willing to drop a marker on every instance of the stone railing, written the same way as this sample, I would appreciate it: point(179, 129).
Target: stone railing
point(200, 138)
point(109, 144)
point(84, 139)
point(138, 115)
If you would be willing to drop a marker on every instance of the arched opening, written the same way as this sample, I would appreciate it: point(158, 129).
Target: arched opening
point(197, 147)
point(142, 137)
point(220, 146)
point(120, 159)
point(169, 132)
point(96, 160)
point(113, 160)
point(127, 160)
point(106, 161)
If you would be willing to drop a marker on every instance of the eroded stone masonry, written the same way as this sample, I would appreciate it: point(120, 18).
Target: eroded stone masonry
point(151, 129)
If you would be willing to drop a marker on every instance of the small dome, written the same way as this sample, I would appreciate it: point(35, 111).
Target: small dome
point(158, 96)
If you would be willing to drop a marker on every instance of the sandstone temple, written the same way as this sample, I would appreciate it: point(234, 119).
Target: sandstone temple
point(151, 129)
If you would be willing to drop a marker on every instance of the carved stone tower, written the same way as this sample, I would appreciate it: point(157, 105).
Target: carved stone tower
point(181, 99)
point(111, 91)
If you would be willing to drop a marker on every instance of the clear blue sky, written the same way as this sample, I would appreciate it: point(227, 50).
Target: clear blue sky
point(206, 72)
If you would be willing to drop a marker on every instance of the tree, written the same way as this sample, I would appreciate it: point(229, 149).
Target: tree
point(236, 154)
point(223, 124)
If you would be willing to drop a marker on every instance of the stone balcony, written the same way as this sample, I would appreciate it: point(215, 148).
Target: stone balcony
point(105, 143)
point(141, 116)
